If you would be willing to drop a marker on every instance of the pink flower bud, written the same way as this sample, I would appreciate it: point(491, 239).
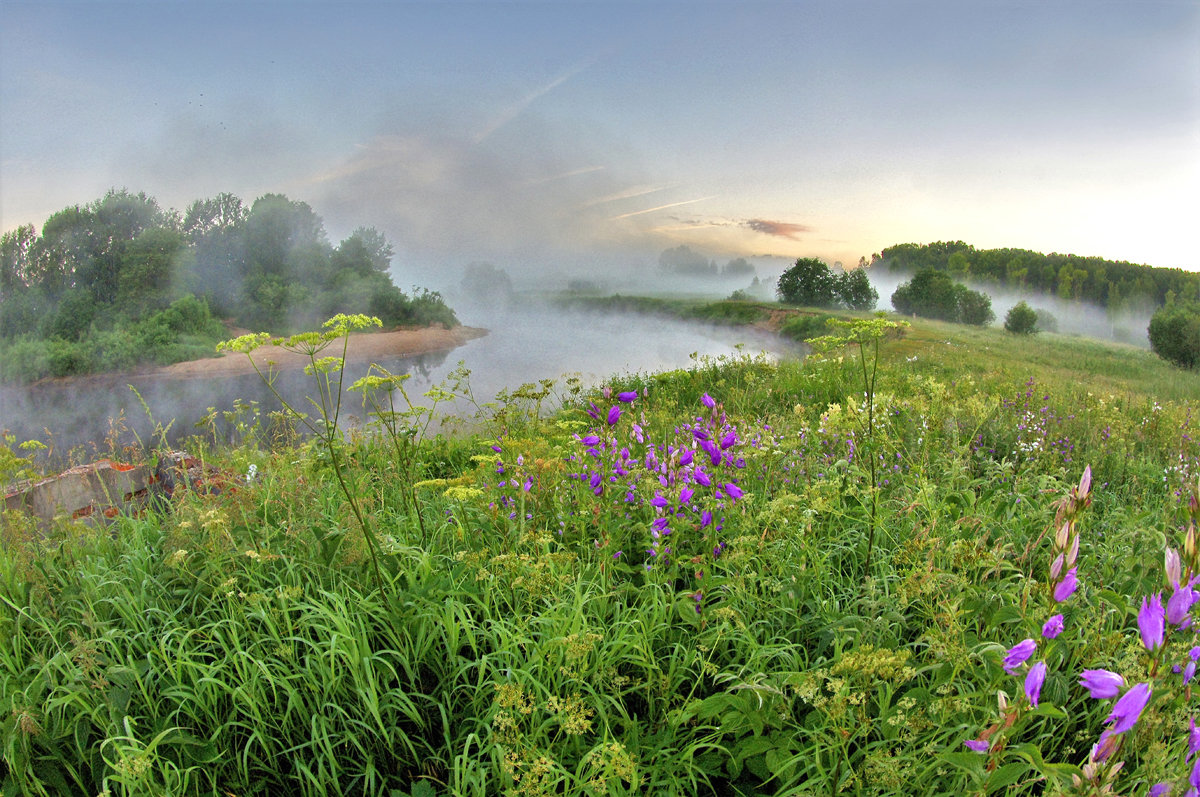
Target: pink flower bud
point(1060, 537)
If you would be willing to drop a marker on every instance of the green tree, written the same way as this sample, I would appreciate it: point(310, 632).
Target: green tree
point(809, 282)
point(148, 279)
point(854, 290)
point(16, 248)
point(364, 251)
point(933, 294)
point(1021, 319)
point(1174, 333)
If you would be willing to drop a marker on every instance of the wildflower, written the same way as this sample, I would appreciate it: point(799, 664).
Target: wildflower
point(1180, 603)
point(1159, 789)
point(733, 491)
point(707, 401)
point(729, 439)
point(1102, 684)
point(1033, 682)
point(1066, 587)
point(1128, 709)
point(1017, 655)
point(1172, 566)
point(1193, 739)
point(614, 415)
point(627, 396)
point(685, 495)
point(978, 745)
point(1053, 627)
point(1150, 621)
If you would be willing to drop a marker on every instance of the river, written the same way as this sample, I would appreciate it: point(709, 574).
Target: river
point(89, 414)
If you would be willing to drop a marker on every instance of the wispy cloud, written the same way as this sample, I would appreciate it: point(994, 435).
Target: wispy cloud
point(628, 193)
point(663, 207)
point(782, 229)
point(517, 108)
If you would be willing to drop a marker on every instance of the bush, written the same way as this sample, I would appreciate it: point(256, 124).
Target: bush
point(25, 359)
point(1021, 319)
point(1175, 333)
point(806, 327)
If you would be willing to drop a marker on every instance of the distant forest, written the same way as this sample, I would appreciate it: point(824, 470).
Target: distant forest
point(121, 281)
point(1115, 285)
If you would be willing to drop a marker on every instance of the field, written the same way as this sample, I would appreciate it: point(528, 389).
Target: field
point(745, 577)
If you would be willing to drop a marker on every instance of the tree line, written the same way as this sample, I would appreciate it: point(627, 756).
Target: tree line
point(1112, 284)
point(122, 281)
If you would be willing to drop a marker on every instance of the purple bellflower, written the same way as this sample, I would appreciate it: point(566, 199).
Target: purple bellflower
point(1128, 709)
point(1053, 627)
point(1066, 587)
point(1150, 620)
point(1033, 682)
point(1018, 654)
point(1102, 684)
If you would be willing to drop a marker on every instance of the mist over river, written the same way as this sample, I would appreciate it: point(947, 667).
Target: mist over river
point(521, 346)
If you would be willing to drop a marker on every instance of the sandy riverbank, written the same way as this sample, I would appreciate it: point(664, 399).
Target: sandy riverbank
point(363, 346)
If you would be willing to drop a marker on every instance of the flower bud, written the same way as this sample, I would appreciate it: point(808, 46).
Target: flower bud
point(1073, 554)
point(1060, 537)
point(1002, 700)
point(1189, 543)
point(1056, 567)
point(1085, 483)
point(1172, 566)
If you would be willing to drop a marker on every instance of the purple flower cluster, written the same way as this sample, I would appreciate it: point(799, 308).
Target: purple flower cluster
point(1161, 620)
point(684, 486)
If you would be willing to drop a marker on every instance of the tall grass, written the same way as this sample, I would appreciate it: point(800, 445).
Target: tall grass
point(533, 635)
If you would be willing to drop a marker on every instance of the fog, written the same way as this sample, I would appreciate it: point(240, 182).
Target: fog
point(1072, 317)
point(526, 343)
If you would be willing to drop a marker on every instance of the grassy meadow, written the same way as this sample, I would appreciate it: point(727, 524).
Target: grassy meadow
point(744, 577)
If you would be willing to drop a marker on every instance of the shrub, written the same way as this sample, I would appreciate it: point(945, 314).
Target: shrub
point(1021, 319)
point(1175, 333)
point(25, 359)
point(806, 327)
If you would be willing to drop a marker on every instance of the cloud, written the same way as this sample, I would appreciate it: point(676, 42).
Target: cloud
point(782, 229)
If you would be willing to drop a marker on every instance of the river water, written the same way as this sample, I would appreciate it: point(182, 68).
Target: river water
point(520, 347)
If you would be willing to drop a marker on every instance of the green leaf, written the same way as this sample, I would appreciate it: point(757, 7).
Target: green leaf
point(1006, 776)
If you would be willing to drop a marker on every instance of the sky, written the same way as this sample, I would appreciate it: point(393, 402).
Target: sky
point(593, 133)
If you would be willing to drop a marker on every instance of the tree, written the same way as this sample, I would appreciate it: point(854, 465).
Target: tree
point(682, 260)
point(933, 294)
point(1021, 319)
point(15, 259)
point(853, 289)
point(1174, 333)
point(809, 282)
point(366, 250)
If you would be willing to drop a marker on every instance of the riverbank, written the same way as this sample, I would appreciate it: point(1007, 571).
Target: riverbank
point(407, 342)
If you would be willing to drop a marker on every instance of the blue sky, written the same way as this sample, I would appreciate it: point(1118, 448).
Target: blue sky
point(523, 132)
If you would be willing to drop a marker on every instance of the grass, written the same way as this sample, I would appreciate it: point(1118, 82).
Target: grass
point(539, 631)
